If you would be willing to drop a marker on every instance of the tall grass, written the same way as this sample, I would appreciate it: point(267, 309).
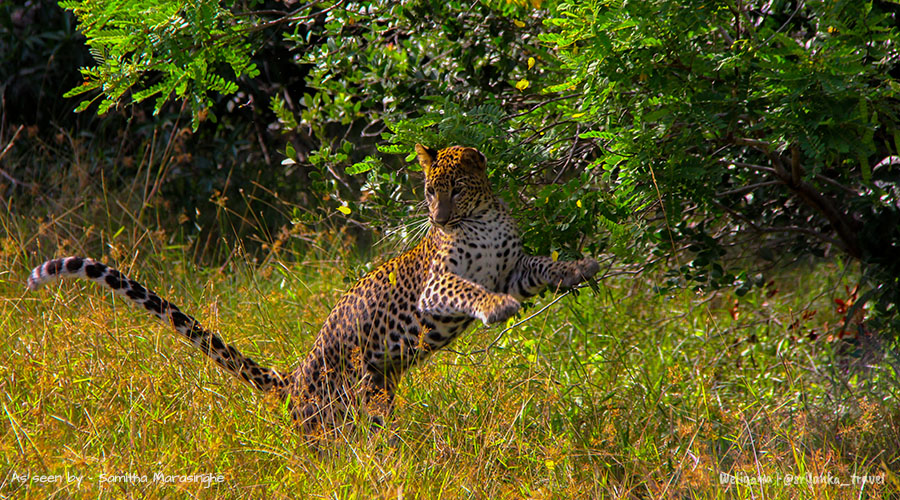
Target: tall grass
point(626, 393)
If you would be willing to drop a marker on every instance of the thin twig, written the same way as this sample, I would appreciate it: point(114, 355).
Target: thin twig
point(829, 180)
point(784, 25)
point(748, 165)
point(11, 142)
point(543, 103)
point(291, 18)
point(747, 188)
point(6, 149)
point(571, 154)
point(540, 131)
point(783, 229)
point(521, 322)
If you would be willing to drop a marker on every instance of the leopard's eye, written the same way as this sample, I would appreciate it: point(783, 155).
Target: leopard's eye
point(456, 191)
point(429, 191)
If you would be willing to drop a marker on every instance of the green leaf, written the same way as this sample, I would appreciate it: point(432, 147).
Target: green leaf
point(393, 149)
point(364, 166)
point(597, 134)
point(865, 168)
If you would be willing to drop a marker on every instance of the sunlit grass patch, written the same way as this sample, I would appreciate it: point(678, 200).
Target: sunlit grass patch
point(625, 393)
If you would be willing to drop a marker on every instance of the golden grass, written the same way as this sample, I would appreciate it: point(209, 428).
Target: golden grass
point(623, 394)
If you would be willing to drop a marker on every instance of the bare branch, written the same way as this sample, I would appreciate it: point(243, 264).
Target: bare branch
point(11, 142)
point(749, 188)
point(754, 143)
point(783, 229)
point(843, 224)
point(796, 170)
point(543, 103)
point(829, 180)
point(6, 149)
point(725, 35)
point(748, 165)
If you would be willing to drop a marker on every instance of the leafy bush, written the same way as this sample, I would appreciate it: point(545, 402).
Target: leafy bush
point(769, 114)
point(757, 129)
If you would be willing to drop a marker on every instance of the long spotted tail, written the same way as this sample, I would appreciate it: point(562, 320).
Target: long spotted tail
point(264, 379)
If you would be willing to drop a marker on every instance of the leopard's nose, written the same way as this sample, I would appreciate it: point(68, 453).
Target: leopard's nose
point(443, 210)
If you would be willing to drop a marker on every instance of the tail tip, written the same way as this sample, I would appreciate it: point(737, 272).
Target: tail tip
point(34, 279)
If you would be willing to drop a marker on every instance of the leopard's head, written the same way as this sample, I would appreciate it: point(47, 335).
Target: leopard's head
point(456, 183)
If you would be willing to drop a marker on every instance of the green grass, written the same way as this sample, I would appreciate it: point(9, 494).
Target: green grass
point(627, 393)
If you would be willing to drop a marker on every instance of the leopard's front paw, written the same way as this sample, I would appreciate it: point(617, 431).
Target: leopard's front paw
point(501, 308)
point(581, 271)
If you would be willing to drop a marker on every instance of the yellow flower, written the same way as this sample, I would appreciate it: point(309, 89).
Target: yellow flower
point(523, 84)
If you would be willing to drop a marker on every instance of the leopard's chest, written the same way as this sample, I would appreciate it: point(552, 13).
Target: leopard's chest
point(483, 251)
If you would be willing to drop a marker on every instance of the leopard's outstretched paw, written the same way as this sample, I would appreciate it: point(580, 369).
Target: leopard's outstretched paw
point(581, 271)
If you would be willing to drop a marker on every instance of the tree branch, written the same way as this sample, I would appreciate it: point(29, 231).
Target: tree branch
point(844, 226)
point(796, 170)
point(543, 103)
point(6, 149)
point(782, 229)
point(745, 189)
point(748, 165)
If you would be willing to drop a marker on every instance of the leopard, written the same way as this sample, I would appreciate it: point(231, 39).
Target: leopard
point(469, 266)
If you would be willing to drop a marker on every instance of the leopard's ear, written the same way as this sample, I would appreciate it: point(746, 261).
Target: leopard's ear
point(476, 157)
point(427, 157)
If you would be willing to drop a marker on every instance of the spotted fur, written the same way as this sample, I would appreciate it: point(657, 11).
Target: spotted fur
point(469, 266)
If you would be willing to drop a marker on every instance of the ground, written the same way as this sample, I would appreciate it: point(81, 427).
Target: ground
point(630, 392)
